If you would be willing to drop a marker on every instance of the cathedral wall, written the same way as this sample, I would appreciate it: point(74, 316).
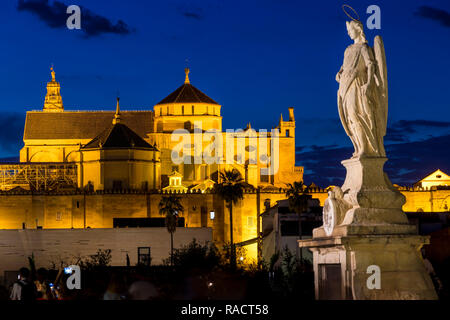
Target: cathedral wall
point(416, 200)
point(135, 169)
point(98, 210)
point(67, 211)
point(427, 200)
point(51, 150)
point(56, 245)
point(286, 171)
point(15, 210)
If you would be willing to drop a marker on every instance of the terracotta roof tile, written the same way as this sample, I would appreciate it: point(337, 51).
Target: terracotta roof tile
point(82, 124)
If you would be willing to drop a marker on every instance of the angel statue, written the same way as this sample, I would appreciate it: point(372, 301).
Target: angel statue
point(362, 94)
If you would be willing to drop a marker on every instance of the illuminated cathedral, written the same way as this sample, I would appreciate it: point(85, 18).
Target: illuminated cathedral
point(132, 149)
point(93, 169)
point(97, 169)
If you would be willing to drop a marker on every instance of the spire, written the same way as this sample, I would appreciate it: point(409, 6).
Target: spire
point(281, 117)
point(117, 114)
point(186, 70)
point(291, 114)
point(53, 100)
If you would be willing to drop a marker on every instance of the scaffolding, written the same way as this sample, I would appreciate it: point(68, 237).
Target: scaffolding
point(38, 176)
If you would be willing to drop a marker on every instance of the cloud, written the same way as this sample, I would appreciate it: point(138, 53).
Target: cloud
point(55, 16)
point(11, 134)
point(441, 16)
point(408, 162)
point(193, 15)
point(191, 11)
point(408, 130)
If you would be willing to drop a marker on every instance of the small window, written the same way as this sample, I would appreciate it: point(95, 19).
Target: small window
point(182, 110)
point(174, 168)
point(250, 222)
point(144, 257)
point(438, 176)
point(287, 132)
point(78, 204)
point(192, 109)
point(58, 216)
point(263, 177)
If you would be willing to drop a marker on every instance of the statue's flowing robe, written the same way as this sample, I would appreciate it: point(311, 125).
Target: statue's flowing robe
point(361, 113)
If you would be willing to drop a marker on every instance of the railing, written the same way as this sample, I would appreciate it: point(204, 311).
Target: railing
point(37, 176)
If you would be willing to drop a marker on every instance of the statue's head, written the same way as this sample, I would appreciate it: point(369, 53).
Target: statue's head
point(355, 31)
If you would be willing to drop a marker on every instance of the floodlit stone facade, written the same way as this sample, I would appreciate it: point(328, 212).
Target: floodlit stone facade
point(81, 169)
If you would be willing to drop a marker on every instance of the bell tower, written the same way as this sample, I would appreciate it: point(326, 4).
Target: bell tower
point(287, 128)
point(53, 100)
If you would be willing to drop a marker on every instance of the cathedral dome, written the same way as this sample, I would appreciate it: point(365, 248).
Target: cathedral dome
point(187, 108)
point(187, 93)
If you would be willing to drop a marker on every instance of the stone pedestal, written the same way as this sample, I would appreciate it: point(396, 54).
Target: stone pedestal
point(341, 267)
point(365, 226)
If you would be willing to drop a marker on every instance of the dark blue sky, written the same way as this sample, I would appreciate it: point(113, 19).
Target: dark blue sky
point(256, 58)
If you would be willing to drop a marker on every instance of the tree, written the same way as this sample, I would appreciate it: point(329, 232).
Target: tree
point(298, 202)
point(231, 189)
point(170, 207)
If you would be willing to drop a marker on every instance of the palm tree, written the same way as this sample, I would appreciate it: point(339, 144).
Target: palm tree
point(170, 207)
point(298, 202)
point(231, 189)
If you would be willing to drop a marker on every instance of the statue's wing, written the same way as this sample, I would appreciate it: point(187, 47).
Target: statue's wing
point(380, 57)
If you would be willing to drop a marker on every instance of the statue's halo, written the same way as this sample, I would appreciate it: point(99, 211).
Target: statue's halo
point(344, 6)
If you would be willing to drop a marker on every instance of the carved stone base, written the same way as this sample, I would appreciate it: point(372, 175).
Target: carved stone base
point(341, 267)
point(374, 205)
point(378, 229)
point(367, 185)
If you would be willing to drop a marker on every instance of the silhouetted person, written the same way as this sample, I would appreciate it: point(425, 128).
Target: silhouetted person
point(42, 285)
point(23, 289)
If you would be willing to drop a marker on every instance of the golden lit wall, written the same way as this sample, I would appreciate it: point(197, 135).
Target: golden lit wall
point(51, 150)
point(97, 210)
point(135, 168)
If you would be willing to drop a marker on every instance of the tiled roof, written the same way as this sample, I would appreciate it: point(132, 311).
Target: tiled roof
point(187, 93)
point(118, 136)
point(82, 124)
